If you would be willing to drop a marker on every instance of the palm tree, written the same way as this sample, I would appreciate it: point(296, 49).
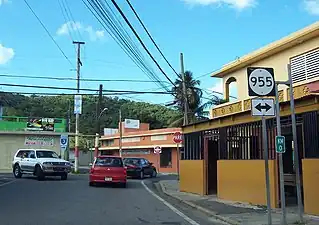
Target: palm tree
point(194, 95)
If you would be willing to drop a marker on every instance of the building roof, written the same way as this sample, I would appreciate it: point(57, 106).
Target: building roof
point(289, 41)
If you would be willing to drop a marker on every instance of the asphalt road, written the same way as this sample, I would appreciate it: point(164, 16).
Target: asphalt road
point(27, 201)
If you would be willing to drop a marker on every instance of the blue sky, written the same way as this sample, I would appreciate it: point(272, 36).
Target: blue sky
point(210, 33)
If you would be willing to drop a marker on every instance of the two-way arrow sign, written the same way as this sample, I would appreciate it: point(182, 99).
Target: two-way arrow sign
point(263, 107)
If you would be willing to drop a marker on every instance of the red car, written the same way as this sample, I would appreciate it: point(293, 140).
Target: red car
point(108, 169)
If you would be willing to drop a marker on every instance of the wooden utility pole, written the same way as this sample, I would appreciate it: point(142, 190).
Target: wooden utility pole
point(77, 114)
point(184, 91)
point(98, 121)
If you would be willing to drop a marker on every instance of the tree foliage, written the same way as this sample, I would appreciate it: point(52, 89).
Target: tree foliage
point(59, 107)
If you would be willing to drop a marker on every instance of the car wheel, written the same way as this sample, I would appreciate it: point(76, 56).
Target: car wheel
point(17, 171)
point(123, 185)
point(91, 184)
point(39, 173)
point(64, 176)
point(154, 174)
point(141, 175)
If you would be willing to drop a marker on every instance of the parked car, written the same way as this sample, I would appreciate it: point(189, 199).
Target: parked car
point(108, 169)
point(139, 167)
point(40, 163)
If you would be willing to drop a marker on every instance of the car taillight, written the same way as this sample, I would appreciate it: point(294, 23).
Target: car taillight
point(125, 170)
point(91, 170)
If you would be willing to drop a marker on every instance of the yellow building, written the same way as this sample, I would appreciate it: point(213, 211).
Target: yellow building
point(223, 156)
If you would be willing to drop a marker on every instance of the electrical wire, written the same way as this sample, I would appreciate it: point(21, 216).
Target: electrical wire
point(75, 79)
point(110, 26)
point(141, 42)
point(149, 35)
point(83, 89)
point(47, 31)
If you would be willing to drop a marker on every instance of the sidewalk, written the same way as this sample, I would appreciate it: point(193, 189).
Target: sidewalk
point(230, 212)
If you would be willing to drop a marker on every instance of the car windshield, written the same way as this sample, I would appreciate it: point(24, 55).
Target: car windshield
point(109, 162)
point(47, 154)
point(132, 161)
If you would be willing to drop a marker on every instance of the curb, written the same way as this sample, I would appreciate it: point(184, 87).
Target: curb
point(199, 208)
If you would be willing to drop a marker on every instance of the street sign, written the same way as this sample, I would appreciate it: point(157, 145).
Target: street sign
point(78, 104)
point(262, 107)
point(64, 141)
point(157, 150)
point(261, 81)
point(178, 137)
point(280, 144)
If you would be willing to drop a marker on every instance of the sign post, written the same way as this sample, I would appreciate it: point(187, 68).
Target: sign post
point(63, 143)
point(261, 83)
point(178, 138)
point(158, 151)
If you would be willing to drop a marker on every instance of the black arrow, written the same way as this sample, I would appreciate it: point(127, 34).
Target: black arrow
point(259, 107)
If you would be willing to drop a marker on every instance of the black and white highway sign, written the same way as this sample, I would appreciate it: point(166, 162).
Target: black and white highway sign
point(263, 107)
point(261, 81)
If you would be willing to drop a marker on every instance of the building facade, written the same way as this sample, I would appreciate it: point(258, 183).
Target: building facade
point(224, 155)
point(23, 132)
point(141, 143)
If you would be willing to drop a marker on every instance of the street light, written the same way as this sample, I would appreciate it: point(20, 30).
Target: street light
point(97, 135)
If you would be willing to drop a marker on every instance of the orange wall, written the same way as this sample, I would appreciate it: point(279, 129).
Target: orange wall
point(154, 158)
point(144, 140)
point(310, 171)
point(244, 181)
point(192, 176)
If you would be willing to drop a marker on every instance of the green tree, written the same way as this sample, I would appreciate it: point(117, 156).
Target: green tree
point(194, 96)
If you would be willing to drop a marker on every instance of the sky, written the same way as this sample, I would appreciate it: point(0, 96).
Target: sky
point(210, 33)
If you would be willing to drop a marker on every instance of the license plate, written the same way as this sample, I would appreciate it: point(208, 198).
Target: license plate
point(108, 179)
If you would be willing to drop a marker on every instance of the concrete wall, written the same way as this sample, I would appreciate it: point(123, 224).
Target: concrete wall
point(244, 181)
point(10, 143)
point(192, 176)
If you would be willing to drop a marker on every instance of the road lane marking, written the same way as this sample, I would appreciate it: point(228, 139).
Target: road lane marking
point(10, 182)
point(189, 220)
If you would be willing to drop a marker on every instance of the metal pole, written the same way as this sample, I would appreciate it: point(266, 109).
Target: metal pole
point(295, 145)
point(265, 146)
point(184, 91)
point(77, 115)
point(96, 146)
point(120, 140)
point(281, 170)
point(178, 158)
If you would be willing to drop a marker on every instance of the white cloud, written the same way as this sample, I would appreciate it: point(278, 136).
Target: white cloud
point(311, 6)
point(71, 26)
point(3, 2)
point(219, 88)
point(6, 54)
point(238, 4)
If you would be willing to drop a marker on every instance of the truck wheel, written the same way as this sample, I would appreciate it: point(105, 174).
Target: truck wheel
point(64, 176)
point(39, 173)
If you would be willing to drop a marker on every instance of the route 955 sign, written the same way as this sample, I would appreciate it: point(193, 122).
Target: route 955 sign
point(261, 81)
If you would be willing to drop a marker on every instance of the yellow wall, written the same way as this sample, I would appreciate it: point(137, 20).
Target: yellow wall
point(310, 170)
point(192, 176)
point(278, 61)
point(244, 181)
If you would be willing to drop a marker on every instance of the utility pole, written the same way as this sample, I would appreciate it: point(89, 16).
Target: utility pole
point(121, 133)
point(98, 116)
point(184, 91)
point(78, 67)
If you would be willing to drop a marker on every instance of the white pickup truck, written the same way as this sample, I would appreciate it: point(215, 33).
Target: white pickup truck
point(40, 163)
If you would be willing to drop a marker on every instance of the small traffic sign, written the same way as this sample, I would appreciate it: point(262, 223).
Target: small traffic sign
point(263, 107)
point(280, 144)
point(178, 137)
point(64, 141)
point(261, 81)
point(157, 150)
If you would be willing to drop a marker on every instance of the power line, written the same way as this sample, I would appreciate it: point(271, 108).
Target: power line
point(149, 35)
point(138, 37)
point(83, 89)
point(47, 31)
point(118, 33)
point(67, 94)
point(74, 79)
